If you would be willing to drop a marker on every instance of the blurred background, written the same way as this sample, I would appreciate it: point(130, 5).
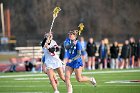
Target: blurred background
point(23, 23)
point(26, 21)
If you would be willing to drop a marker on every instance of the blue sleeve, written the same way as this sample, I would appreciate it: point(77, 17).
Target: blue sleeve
point(78, 45)
point(66, 43)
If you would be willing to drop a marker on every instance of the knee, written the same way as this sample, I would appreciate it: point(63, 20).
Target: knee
point(67, 77)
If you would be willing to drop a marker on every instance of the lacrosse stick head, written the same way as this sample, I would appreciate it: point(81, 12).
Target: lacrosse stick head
point(56, 11)
point(81, 27)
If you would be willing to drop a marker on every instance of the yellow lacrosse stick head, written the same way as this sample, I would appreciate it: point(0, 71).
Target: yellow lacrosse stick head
point(56, 11)
point(81, 26)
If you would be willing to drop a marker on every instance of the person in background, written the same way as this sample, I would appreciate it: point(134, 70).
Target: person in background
point(102, 55)
point(108, 58)
point(83, 52)
point(125, 55)
point(91, 50)
point(28, 65)
point(138, 53)
point(133, 52)
point(13, 62)
point(114, 52)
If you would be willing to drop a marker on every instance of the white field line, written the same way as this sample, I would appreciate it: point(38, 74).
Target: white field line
point(31, 78)
point(31, 81)
point(24, 92)
point(101, 72)
point(121, 81)
point(42, 78)
point(12, 86)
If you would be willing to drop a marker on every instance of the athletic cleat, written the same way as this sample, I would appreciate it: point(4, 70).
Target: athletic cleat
point(56, 91)
point(71, 89)
point(93, 81)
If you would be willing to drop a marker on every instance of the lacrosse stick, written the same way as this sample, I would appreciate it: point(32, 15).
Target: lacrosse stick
point(55, 13)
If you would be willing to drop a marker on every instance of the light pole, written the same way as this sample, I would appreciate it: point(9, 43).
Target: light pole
point(2, 20)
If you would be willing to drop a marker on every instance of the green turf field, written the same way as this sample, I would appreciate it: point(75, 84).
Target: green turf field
point(109, 81)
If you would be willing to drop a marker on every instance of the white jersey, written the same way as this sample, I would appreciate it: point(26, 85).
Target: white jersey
point(53, 43)
point(51, 61)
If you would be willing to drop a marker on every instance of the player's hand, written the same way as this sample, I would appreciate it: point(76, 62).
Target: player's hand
point(46, 45)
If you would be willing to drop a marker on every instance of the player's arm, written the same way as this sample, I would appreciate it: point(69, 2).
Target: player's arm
point(78, 54)
point(55, 48)
point(43, 42)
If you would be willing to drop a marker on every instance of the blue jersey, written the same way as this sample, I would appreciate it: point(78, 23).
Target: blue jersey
point(66, 42)
point(72, 52)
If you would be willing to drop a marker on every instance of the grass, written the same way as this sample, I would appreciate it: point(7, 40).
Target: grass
point(39, 83)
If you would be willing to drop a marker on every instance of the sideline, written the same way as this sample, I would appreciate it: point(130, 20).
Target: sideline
point(94, 72)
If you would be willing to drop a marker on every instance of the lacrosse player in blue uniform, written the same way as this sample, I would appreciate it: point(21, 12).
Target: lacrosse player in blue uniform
point(74, 63)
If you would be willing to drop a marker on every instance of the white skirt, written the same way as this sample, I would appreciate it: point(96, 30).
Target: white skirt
point(51, 62)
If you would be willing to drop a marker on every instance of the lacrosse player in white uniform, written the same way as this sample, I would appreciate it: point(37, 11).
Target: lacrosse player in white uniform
point(52, 61)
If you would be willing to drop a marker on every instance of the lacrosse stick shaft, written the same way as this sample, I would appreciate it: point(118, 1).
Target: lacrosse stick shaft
point(52, 24)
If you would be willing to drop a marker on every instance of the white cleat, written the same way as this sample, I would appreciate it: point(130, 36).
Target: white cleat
point(93, 81)
point(71, 89)
point(56, 91)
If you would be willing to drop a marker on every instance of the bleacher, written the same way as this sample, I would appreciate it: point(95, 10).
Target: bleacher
point(32, 52)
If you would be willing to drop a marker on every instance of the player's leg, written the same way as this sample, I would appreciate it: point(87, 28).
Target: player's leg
point(89, 63)
point(60, 73)
point(100, 64)
point(55, 79)
point(93, 63)
point(133, 61)
point(50, 74)
point(80, 78)
point(65, 60)
point(45, 71)
point(122, 64)
point(127, 63)
point(68, 72)
point(139, 62)
point(116, 63)
point(105, 63)
point(44, 68)
point(83, 60)
point(112, 64)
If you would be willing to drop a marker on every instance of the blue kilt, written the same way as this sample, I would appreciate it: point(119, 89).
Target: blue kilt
point(75, 64)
